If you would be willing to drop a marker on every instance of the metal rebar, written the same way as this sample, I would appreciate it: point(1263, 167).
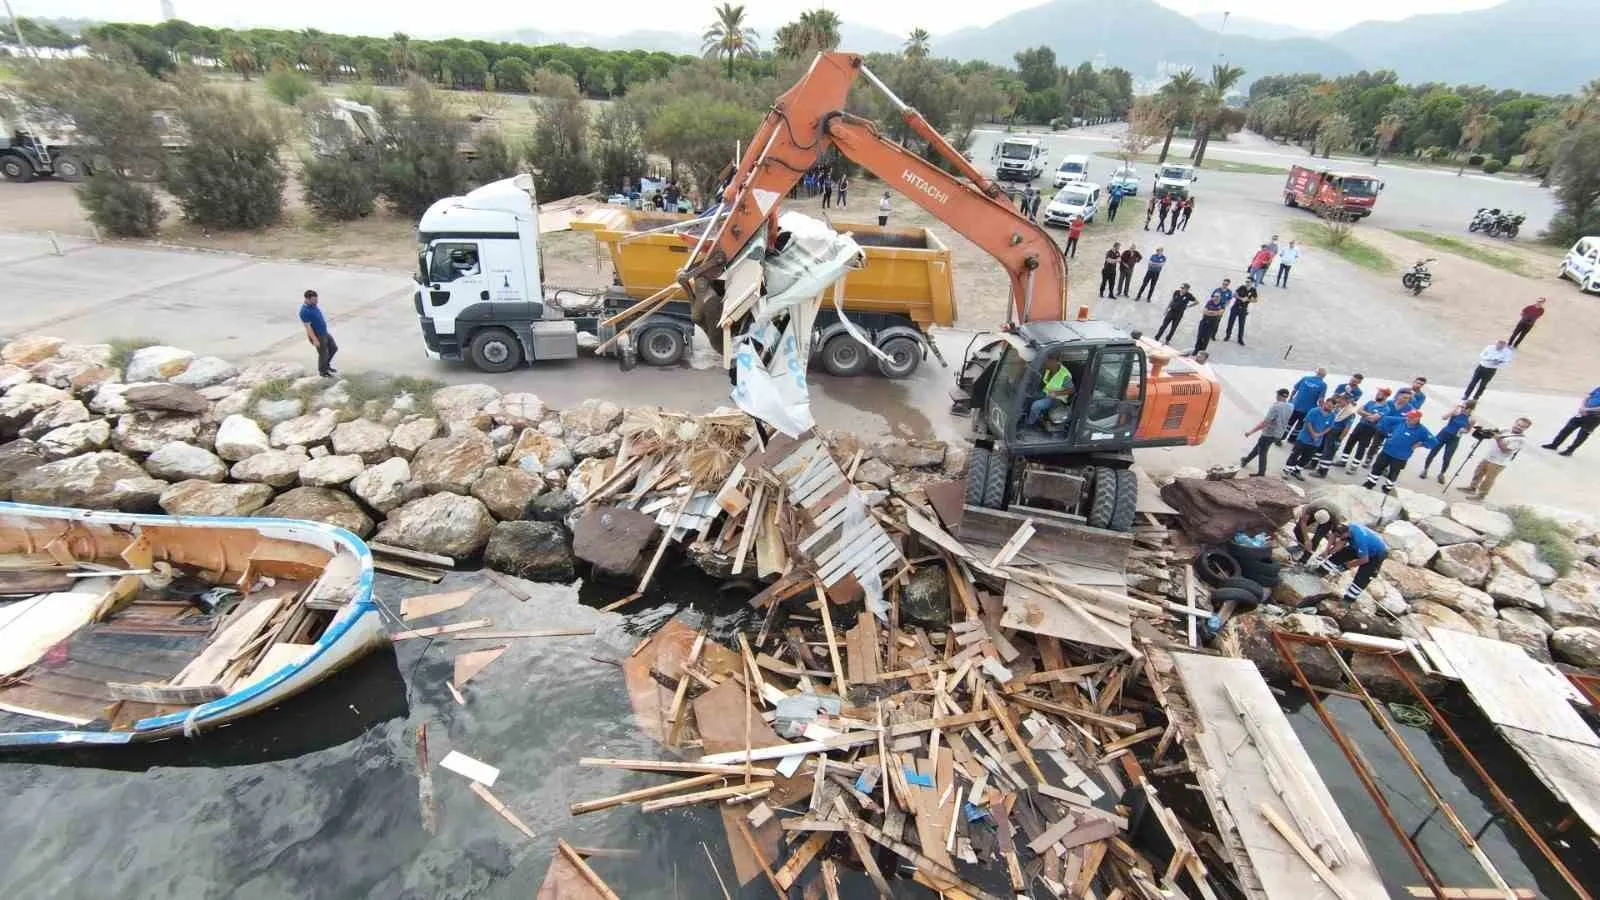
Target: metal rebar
point(1499, 795)
point(1360, 767)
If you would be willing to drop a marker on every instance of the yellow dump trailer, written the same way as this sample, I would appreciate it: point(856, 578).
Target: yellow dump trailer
point(905, 287)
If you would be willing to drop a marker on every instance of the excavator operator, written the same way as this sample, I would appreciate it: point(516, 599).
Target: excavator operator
point(1057, 386)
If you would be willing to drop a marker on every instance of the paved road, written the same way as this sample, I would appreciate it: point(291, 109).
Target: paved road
point(243, 308)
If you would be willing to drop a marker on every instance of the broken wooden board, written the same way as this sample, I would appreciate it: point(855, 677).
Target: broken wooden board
point(564, 881)
point(1234, 761)
point(412, 608)
point(720, 715)
point(1053, 539)
point(242, 627)
point(472, 662)
point(1036, 613)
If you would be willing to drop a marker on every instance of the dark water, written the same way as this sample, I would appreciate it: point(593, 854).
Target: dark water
point(319, 798)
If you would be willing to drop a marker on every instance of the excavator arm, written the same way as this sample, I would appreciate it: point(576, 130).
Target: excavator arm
point(807, 120)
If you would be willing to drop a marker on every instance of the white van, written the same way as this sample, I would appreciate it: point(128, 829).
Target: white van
point(1078, 198)
point(1073, 168)
point(1583, 264)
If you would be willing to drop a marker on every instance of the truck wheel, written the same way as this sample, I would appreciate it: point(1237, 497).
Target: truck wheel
point(15, 168)
point(69, 168)
point(1102, 497)
point(995, 479)
point(495, 350)
point(1289, 201)
point(660, 346)
point(977, 471)
point(905, 354)
point(842, 356)
point(1127, 500)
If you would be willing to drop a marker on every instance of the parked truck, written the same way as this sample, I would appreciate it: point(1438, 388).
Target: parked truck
point(1018, 159)
point(1331, 194)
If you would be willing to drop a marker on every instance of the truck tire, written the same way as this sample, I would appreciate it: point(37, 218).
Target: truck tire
point(660, 345)
point(494, 350)
point(995, 479)
point(1103, 498)
point(16, 168)
point(69, 168)
point(1127, 501)
point(977, 471)
point(1289, 201)
point(905, 355)
point(843, 357)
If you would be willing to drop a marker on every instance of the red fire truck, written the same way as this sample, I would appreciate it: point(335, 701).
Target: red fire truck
point(1330, 194)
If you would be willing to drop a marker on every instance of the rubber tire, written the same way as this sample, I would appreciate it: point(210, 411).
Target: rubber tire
point(1241, 583)
point(1408, 281)
point(1416, 289)
point(69, 168)
point(16, 168)
point(1244, 600)
point(660, 345)
point(1471, 227)
point(1266, 574)
point(905, 356)
point(996, 478)
point(1127, 508)
point(482, 344)
point(1244, 553)
point(1103, 498)
point(977, 471)
point(843, 357)
point(1289, 201)
point(1215, 566)
point(1511, 233)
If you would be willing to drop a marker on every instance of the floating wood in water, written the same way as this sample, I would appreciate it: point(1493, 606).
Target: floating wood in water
point(416, 556)
point(432, 604)
point(406, 570)
point(436, 630)
point(497, 806)
point(472, 662)
point(166, 694)
point(425, 781)
point(649, 793)
point(721, 793)
point(654, 765)
point(588, 874)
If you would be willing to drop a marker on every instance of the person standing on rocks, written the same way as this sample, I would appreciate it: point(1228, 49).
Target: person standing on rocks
point(1494, 357)
point(1362, 549)
point(1272, 427)
point(1211, 317)
point(1181, 300)
point(1583, 423)
point(1152, 273)
point(1503, 448)
point(1457, 420)
point(1530, 316)
point(1130, 258)
point(1108, 271)
point(1404, 434)
point(1308, 441)
point(316, 326)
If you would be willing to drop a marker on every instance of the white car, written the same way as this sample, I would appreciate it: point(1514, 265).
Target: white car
point(1072, 168)
point(1080, 198)
point(1582, 264)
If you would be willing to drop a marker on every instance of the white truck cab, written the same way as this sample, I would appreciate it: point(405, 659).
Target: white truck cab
point(1074, 167)
point(1018, 159)
point(1582, 264)
point(1173, 178)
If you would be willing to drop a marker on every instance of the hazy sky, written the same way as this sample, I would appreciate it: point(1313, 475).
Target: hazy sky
point(471, 17)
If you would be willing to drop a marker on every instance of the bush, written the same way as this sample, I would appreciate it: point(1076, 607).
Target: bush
point(1548, 536)
point(618, 145)
point(123, 348)
point(340, 188)
point(492, 160)
point(366, 93)
point(286, 85)
point(119, 206)
point(1491, 166)
point(230, 175)
point(1475, 159)
point(421, 161)
point(560, 152)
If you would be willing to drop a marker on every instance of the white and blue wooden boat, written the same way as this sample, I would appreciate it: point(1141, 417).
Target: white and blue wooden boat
point(117, 628)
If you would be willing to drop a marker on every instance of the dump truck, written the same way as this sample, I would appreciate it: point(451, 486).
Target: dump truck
point(904, 288)
point(1331, 194)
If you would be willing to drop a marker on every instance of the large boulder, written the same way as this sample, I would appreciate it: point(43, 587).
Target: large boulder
point(507, 491)
point(597, 446)
point(1409, 544)
point(165, 398)
point(1509, 587)
point(1526, 618)
point(147, 432)
point(71, 440)
point(1523, 557)
point(17, 457)
point(1444, 531)
point(61, 372)
point(107, 399)
point(274, 412)
point(101, 480)
point(157, 363)
point(452, 463)
point(908, 454)
point(263, 372)
point(67, 412)
point(537, 551)
point(591, 417)
point(516, 409)
point(1416, 506)
point(408, 437)
point(313, 428)
point(205, 371)
point(540, 453)
point(553, 506)
point(1485, 521)
point(1213, 511)
point(460, 402)
point(1356, 504)
point(1309, 624)
point(383, 486)
point(1429, 614)
point(26, 351)
point(1572, 601)
point(318, 504)
point(275, 468)
point(1249, 635)
point(178, 461)
point(11, 376)
point(203, 498)
point(239, 437)
point(331, 471)
point(448, 524)
point(1467, 563)
point(1296, 588)
point(1534, 640)
point(21, 403)
point(1363, 616)
point(1578, 645)
point(364, 438)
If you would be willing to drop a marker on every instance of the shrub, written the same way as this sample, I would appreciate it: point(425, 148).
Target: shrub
point(560, 151)
point(120, 206)
point(1475, 159)
point(286, 85)
point(421, 161)
point(122, 349)
point(1548, 536)
point(1491, 166)
point(230, 175)
point(492, 160)
point(340, 187)
point(366, 92)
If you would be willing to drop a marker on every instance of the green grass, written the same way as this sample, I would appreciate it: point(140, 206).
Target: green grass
point(1210, 165)
point(122, 349)
point(370, 393)
point(1344, 244)
point(1552, 540)
point(1469, 249)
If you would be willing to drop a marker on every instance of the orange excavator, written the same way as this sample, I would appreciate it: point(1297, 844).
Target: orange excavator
point(1058, 404)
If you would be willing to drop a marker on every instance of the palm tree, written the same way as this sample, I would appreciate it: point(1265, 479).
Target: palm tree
point(242, 59)
point(728, 37)
point(917, 44)
point(821, 27)
point(1178, 97)
point(316, 56)
point(1387, 128)
point(1588, 100)
point(1223, 78)
point(789, 42)
point(401, 56)
point(1479, 126)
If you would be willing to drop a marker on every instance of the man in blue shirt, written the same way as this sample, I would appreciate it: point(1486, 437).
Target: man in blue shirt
point(1152, 272)
point(1363, 438)
point(1417, 396)
point(1362, 549)
point(1308, 442)
point(1457, 420)
point(317, 333)
point(1583, 423)
point(1305, 395)
point(1351, 389)
point(1211, 316)
point(1404, 435)
point(1344, 416)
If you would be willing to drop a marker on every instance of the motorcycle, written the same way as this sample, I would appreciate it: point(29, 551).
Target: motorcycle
point(1483, 219)
point(1506, 225)
point(1419, 277)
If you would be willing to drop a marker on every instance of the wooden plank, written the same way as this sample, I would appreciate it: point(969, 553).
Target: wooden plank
point(1310, 857)
point(416, 556)
point(242, 627)
point(492, 634)
point(799, 859)
point(1035, 612)
point(1456, 893)
point(1511, 688)
point(432, 604)
point(1052, 539)
point(576, 861)
point(406, 570)
point(749, 791)
point(436, 630)
point(662, 765)
point(497, 806)
point(649, 793)
point(468, 665)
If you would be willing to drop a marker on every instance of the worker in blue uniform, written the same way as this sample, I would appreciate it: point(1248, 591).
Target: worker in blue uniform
point(1360, 548)
point(1308, 443)
point(1304, 397)
point(1404, 434)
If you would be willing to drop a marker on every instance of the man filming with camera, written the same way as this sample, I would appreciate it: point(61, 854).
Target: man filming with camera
point(1503, 448)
